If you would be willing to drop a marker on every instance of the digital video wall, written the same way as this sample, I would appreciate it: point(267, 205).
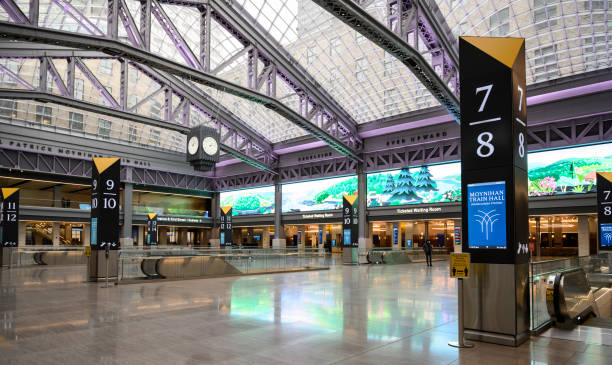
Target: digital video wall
point(249, 201)
point(325, 194)
point(426, 184)
point(568, 170)
point(564, 171)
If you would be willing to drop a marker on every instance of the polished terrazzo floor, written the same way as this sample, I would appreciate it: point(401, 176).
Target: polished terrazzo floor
point(347, 315)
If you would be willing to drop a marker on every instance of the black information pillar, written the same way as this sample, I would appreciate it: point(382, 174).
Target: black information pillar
point(10, 217)
point(604, 210)
point(103, 261)
point(105, 203)
point(494, 188)
point(350, 221)
point(152, 229)
point(226, 227)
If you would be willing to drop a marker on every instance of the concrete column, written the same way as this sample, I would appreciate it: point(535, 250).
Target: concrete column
point(128, 213)
point(140, 241)
point(57, 196)
point(594, 232)
point(215, 209)
point(21, 233)
point(457, 223)
point(56, 234)
point(279, 232)
point(389, 234)
point(181, 238)
point(558, 231)
point(163, 237)
point(86, 234)
point(583, 236)
point(408, 233)
point(250, 232)
point(426, 235)
point(67, 233)
point(365, 241)
point(265, 237)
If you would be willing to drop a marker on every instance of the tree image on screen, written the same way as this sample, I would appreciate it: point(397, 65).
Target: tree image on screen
point(390, 185)
point(405, 188)
point(424, 180)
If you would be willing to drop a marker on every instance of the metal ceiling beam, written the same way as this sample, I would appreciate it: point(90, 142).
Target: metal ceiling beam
point(46, 97)
point(259, 148)
point(357, 18)
point(247, 30)
point(50, 36)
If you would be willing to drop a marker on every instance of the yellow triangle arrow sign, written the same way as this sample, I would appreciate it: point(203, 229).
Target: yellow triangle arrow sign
point(505, 50)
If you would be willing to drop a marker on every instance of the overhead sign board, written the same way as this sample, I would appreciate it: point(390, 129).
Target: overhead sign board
point(604, 210)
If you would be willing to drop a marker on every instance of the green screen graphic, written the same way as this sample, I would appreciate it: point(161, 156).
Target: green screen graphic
point(249, 201)
point(314, 195)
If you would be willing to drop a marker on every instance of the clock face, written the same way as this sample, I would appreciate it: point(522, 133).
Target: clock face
point(192, 146)
point(210, 146)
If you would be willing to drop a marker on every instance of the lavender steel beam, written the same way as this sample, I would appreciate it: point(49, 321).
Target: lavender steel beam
point(17, 78)
point(362, 22)
point(116, 48)
point(96, 83)
point(130, 25)
point(56, 77)
point(14, 12)
point(78, 17)
point(205, 27)
point(34, 12)
point(176, 37)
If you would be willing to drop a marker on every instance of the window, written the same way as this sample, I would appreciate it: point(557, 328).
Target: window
point(177, 142)
point(461, 29)
point(498, 23)
point(335, 79)
point(310, 55)
point(133, 133)
point(542, 14)
point(334, 46)
point(76, 121)
point(359, 38)
point(360, 69)
point(8, 108)
point(389, 65)
point(133, 101)
point(43, 114)
point(390, 99)
point(154, 137)
point(13, 66)
point(155, 110)
point(106, 67)
point(104, 127)
point(79, 88)
point(133, 74)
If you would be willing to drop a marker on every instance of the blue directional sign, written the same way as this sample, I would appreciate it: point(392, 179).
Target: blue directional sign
point(486, 211)
point(606, 234)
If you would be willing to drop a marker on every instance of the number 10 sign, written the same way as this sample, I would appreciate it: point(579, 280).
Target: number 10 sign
point(105, 203)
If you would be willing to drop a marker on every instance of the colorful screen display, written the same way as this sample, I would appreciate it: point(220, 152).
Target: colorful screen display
point(563, 171)
point(317, 194)
point(249, 201)
point(427, 184)
point(486, 211)
point(568, 170)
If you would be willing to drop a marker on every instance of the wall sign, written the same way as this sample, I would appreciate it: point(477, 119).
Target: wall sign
point(152, 229)
point(350, 221)
point(105, 203)
point(395, 235)
point(494, 149)
point(10, 217)
point(604, 210)
point(226, 226)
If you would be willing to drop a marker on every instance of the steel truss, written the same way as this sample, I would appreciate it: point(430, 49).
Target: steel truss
point(238, 139)
point(335, 131)
point(80, 167)
point(357, 18)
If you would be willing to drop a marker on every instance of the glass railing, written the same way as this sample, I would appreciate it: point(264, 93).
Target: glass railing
point(47, 255)
point(403, 255)
point(596, 267)
point(185, 262)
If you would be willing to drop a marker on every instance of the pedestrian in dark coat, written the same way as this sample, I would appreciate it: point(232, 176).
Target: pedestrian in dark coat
point(427, 248)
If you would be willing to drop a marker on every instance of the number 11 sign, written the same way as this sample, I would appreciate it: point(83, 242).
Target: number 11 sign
point(604, 210)
point(494, 149)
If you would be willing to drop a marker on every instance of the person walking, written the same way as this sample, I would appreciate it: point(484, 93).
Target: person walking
point(427, 248)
